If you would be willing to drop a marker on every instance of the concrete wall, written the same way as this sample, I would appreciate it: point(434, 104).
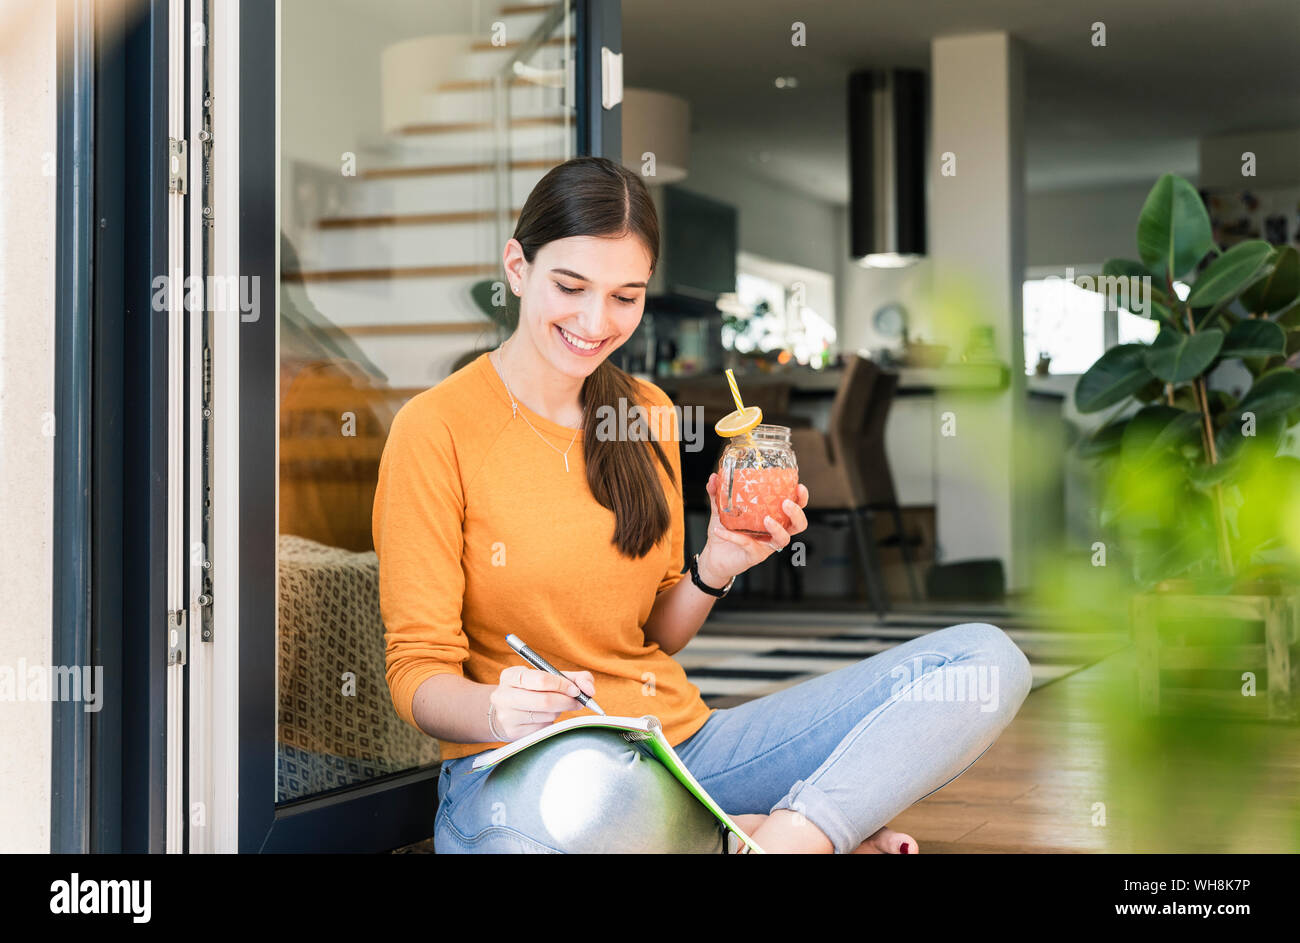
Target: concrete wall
point(1277, 159)
point(27, 214)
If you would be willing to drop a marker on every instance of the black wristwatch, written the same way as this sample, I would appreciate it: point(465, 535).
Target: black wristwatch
point(695, 578)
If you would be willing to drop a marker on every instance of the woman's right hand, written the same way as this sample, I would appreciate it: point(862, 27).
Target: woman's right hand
point(528, 699)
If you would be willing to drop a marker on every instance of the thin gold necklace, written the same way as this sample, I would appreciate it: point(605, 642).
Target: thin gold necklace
point(514, 411)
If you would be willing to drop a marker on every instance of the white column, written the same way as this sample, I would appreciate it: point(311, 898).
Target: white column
point(976, 236)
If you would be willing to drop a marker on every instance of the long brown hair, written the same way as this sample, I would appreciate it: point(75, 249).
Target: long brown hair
point(594, 196)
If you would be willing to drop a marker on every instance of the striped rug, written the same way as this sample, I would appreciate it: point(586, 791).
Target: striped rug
point(739, 655)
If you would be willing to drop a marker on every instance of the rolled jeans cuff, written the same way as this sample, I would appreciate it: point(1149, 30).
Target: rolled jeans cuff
point(820, 809)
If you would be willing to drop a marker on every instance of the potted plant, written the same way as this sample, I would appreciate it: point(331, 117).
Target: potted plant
point(1198, 496)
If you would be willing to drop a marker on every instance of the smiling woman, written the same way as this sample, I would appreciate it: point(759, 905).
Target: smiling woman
point(583, 251)
point(481, 527)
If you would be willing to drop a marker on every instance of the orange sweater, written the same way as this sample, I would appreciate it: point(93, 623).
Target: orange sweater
point(480, 532)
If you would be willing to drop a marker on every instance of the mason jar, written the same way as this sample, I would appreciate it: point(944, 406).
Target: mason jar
point(756, 473)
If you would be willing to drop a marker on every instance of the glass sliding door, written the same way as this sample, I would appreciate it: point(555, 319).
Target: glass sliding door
point(406, 144)
point(409, 135)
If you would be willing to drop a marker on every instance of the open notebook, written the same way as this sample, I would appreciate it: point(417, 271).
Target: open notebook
point(634, 729)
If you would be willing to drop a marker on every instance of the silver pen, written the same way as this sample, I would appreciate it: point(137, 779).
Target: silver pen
point(537, 661)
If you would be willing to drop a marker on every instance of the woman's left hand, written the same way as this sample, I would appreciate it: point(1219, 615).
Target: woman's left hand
point(727, 553)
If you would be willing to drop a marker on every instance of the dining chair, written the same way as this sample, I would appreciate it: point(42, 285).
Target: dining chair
point(846, 470)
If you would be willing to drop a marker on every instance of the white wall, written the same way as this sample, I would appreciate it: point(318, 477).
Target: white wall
point(27, 206)
point(977, 242)
point(864, 290)
point(1062, 227)
point(1069, 227)
point(775, 222)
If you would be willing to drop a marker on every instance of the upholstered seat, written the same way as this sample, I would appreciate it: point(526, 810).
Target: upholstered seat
point(846, 469)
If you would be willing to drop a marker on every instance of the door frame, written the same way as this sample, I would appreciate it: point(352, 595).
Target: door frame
point(396, 810)
point(108, 785)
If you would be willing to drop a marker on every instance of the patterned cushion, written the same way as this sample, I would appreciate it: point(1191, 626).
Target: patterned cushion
point(336, 725)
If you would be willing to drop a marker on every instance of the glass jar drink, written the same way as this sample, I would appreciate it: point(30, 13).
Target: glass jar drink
point(756, 474)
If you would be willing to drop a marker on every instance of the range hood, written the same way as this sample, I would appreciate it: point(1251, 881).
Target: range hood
point(888, 126)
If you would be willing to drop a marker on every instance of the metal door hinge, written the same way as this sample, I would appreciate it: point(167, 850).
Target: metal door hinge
point(176, 637)
point(177, 173)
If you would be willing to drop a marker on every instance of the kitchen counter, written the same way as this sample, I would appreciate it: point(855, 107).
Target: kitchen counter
point(913, 436)
point(911, 381)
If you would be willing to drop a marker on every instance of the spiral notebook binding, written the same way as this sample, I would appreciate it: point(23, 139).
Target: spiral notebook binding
point(634, 736)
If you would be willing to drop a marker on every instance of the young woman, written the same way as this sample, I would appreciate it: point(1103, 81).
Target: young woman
point(504, 505)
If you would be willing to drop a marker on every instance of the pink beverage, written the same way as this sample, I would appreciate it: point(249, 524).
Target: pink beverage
point(755, 493)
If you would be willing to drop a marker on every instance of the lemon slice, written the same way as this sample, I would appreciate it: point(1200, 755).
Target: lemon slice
point(739, 421)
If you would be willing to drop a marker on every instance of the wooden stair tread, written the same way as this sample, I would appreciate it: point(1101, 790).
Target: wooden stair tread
point(413, 271)
point(414, 327)
point(455, 127)
point(512, 8)
point(409, 219)
point(486, 45)
point(469, 85)
point(538, 163)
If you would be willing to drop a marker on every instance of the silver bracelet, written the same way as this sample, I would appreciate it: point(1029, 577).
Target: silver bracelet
point(492, 726)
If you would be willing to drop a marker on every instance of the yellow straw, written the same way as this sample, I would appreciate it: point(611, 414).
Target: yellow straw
point(740, 407)
point(735, 391)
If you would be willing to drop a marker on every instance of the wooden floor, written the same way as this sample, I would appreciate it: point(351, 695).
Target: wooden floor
point(1057, 781)
point(1080, 771)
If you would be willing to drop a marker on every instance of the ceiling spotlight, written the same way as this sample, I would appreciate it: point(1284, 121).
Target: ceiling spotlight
point(786, 81)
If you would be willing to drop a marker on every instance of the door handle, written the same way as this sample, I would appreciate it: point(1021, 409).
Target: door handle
point(611, 77)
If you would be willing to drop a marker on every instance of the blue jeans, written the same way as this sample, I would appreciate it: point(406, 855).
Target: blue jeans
point(849, 750)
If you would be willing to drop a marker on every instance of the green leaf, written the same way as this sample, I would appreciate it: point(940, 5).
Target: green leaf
point(1185, 398)
point(1117, 373)
point(1103, 441)
point(1154, 561)
point(1202, 317)
point(1264, 434)
point(1127, 268)
point(1290, 318)
point(1175, 357)
point(485, 292)
point(1273, 394)
point(1279, 288)
point(1206, 476)
point(1230, 273)
point(1254, 337)
point(1151, 391)
point(1147, 281)
point(1220, 400)
point(1274, 401)
point(1162, 311)
point(1184, 428)
point(1154, 429)
point(1173, 231)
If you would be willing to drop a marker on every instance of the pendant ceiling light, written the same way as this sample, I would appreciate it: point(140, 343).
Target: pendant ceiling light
point(660, 124)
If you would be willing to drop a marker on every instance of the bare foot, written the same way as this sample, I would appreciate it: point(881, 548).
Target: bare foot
point(749, 824)
point(886, 841)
